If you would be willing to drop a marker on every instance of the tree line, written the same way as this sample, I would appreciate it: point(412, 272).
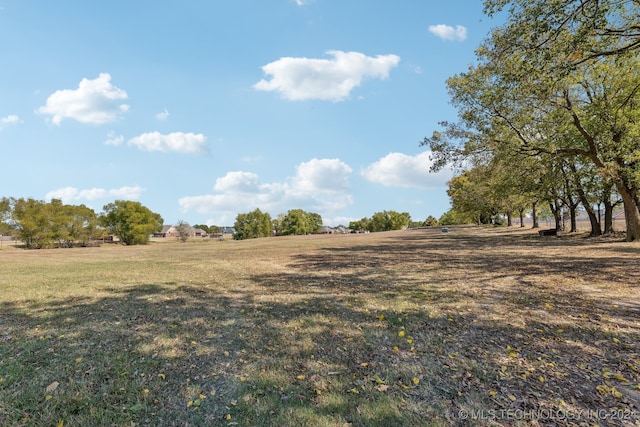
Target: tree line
point(297, 222)
point(549, 116)
point(260, 224)
point(40, 224)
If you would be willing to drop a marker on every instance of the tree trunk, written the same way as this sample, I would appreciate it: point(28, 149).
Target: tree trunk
point(557, 214)
point(521, 213)
point(509, 222)
point(593, 219)
point(631, 211)
point(534, 215)
point(572, 215)
point(608, 217)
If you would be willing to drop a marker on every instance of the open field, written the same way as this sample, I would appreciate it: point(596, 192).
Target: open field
point(473, 327)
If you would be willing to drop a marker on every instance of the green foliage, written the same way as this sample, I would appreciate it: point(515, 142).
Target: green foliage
point(389, 220)
point(297, 222)
point(431, 221)
point(360, 225)
point(130, 221)
point(43, 225)
point(557, 81)
point(5, 216)
point(382, 221)
point(252, 225)
point(455, 217)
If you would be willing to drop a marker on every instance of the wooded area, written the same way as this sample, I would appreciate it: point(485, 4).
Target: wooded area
point(549, 115)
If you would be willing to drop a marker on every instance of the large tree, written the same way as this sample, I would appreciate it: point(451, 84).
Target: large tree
point(297, 221)
point(32, 223)
point(579, 30)
point(252, 225)
point(130, 221)
point(522, 95)
point(389, 220)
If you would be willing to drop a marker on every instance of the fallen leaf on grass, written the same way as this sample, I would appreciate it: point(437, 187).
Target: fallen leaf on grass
point(378, 380)
point(52, 387)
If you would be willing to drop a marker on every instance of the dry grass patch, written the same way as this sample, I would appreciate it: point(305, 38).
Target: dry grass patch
point(400, 328)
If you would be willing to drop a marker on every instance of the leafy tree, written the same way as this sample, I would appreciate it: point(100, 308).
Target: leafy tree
point(470, 195)
point(521, 97)
point(40, 224)
point(389, 220)
point(252, 225)
point(73, 224)
point(577, 31)
point(297, 221)
point(5, 216)
point(431, 221)
point(455, 217)
point(361, 225)
point(32, 223)
point(130, 221)
point(184, 230)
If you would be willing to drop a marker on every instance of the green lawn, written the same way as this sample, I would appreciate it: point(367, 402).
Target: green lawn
point(473, 327)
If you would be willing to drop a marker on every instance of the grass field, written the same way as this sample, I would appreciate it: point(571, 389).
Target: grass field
point(473, 327)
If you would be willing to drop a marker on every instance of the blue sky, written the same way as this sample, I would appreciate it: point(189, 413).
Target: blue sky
point(202, 110)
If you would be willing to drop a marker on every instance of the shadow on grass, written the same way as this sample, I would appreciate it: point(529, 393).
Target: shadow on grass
point(408, 332)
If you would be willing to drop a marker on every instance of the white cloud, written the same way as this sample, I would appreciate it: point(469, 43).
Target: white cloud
point(179, 142)
point(162, 115)
point(95, 101)
point(401, 170)
point(322, 175)
point(113, 139)
point(11, 119)
point(447, 32)
point(245, 182)
point(75, 195)
point(326, 79)
point(319, 185)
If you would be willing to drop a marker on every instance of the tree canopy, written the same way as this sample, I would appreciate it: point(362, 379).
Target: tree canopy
point(42, 224)
point(297, 221)
point(130, 221)
point(252, 225)
point(382, 221)
point(521, 107)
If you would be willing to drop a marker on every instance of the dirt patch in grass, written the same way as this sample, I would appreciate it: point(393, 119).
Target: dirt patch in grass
point(472, 327)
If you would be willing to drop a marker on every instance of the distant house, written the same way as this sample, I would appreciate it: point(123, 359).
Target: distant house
point(171, 231)
point(227, 230)
point(165, 229)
